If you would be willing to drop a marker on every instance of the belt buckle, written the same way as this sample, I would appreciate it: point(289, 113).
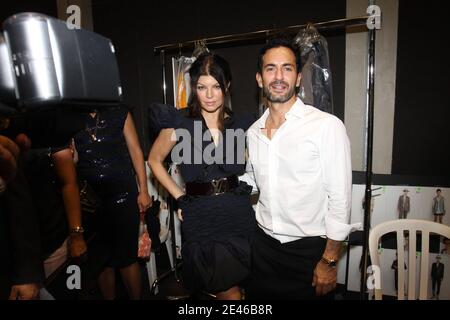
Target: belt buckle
point(219, 186)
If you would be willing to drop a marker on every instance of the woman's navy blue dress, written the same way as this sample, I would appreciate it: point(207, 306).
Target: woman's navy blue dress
point(216, 230)
point(105, 163)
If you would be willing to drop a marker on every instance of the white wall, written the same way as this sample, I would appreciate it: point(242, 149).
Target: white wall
point(385, 205)
point(356, 84)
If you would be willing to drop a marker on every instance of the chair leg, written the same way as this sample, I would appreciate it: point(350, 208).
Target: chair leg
point(169, 250)
point(152, 274)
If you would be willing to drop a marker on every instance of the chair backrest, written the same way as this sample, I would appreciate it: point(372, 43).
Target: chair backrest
point(400, 227)
point(157, 191)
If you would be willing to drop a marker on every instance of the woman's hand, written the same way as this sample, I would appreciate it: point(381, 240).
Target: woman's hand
point(180, 215)
point(144, 201)
point(9, 153)
point(77, 245)
point(27, 291)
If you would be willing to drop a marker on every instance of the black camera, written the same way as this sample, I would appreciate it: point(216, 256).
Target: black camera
point(50, 75)
point(45, 63)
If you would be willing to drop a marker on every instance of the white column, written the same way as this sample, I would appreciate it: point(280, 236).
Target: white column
point(356, 84)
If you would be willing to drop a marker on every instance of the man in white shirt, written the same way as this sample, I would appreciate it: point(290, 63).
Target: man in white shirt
point(299, 158)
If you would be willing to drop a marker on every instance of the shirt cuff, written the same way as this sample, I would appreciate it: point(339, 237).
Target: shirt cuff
point(339, 231)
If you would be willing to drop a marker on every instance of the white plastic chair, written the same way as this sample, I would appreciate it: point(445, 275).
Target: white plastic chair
point(412, 227)
point(165, 238)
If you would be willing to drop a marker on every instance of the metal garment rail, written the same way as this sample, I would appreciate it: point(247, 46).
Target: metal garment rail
point(322, 26)
point(263, 34)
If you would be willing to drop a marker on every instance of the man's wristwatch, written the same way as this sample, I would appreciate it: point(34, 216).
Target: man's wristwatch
point(77, 230)
point(329, 262)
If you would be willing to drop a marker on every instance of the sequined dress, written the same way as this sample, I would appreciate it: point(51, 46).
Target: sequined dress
point(104, 161)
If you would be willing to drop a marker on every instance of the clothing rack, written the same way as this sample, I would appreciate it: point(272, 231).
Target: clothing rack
point(263, 34)
point(321, 26)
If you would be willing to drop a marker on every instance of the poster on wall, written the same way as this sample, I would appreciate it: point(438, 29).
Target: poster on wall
point(401, 202)
point(392, 202)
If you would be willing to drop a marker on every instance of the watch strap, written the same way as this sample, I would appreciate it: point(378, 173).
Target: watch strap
point(330, 262)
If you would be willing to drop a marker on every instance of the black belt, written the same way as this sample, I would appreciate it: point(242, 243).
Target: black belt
point(213, 187)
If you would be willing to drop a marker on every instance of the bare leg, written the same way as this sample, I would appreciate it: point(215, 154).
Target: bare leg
point(233, 293)
point(107, 283)
point(131, 277)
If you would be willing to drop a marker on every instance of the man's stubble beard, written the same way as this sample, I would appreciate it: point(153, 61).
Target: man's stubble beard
point(279, 99)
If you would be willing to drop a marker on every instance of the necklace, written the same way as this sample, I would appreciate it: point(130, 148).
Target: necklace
point(92, 132)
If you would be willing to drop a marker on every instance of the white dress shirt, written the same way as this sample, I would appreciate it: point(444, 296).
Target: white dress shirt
point(303, 174)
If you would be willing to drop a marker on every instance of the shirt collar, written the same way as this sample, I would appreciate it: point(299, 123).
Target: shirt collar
point(298, 109)
point(262, 119)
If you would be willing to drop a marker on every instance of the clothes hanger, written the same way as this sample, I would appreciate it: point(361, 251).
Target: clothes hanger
point(200, 48)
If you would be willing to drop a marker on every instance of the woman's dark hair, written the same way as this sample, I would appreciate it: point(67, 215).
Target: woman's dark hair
point(210, 64)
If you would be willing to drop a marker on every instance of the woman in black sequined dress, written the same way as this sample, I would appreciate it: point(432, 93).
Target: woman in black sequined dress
point(110, 159)
point(218, 218)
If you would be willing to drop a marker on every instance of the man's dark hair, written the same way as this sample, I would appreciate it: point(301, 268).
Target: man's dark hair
point(276, 43)
point(438, 190)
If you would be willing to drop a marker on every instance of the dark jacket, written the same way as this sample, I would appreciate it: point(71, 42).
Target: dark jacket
point(20, 246)
point(437, 270)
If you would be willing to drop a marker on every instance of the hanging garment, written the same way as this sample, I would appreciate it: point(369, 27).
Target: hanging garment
point(316, 86)
point(181, 94)
point(181, 78)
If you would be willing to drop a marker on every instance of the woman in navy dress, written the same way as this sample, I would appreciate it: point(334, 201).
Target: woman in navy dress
point(209, 147)
point(111, 160)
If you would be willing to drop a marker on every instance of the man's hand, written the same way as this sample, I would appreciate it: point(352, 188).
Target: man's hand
point(325, 276)
point(28, 291)
point(324, 279)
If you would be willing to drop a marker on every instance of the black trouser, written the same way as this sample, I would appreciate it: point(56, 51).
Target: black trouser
point(283, 271)
point(403, 214)
point(436, 281)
